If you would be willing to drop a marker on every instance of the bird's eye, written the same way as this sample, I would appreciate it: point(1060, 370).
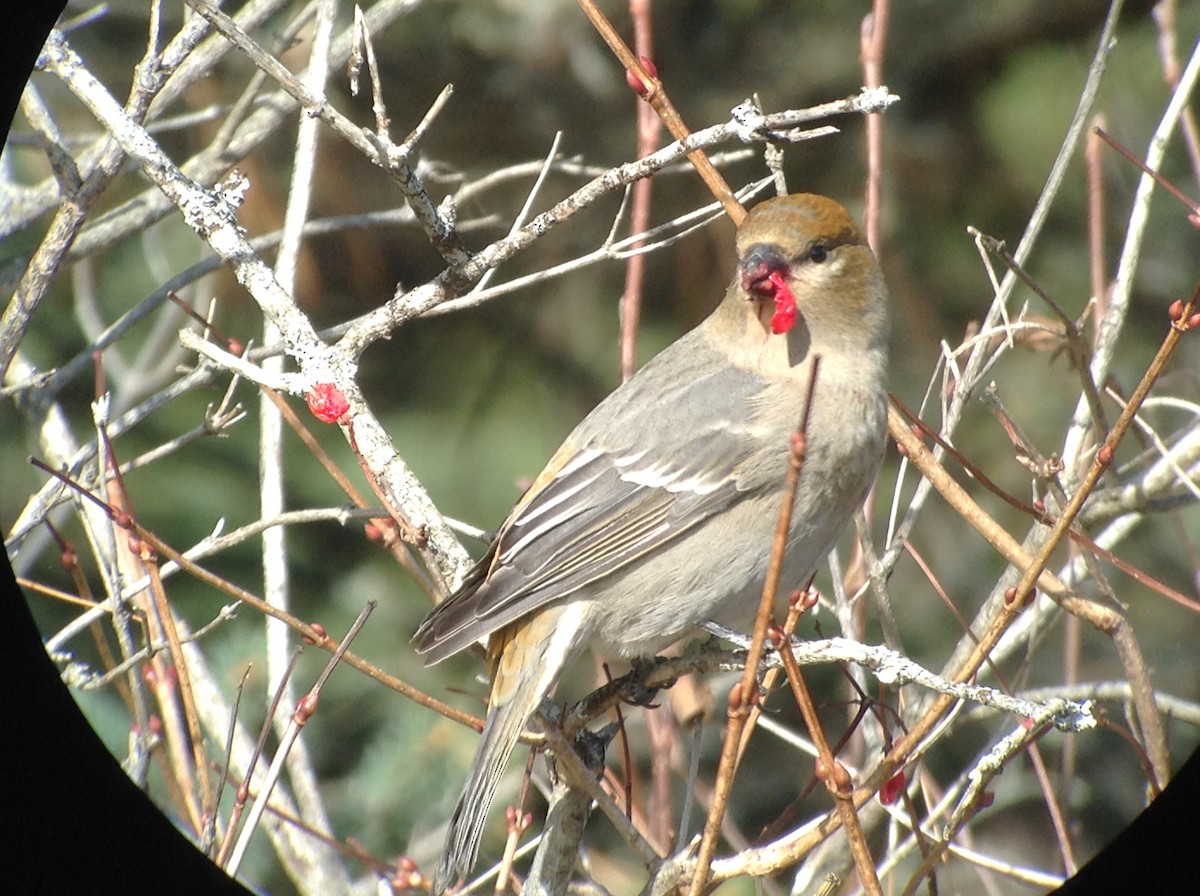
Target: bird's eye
point(818, 254)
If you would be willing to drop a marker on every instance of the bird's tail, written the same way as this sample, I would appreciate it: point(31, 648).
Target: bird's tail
point(526, 659)
point(500, 733)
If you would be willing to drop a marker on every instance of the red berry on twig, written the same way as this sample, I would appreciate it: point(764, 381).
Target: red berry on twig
point(327, 402)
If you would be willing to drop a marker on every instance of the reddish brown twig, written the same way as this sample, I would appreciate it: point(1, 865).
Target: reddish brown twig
point(745, 694)
point(656, 96)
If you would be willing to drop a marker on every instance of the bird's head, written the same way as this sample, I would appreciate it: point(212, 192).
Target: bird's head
point(807, 272)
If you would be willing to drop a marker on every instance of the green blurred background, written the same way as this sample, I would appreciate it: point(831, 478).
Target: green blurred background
point(476, 401)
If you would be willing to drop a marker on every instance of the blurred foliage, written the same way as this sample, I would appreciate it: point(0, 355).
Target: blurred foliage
point(476, 401)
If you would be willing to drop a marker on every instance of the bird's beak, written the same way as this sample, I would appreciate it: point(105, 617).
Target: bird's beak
point(764, 270)
point(760, 261)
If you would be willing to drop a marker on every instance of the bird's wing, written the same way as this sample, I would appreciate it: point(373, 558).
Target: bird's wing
point(610, 503)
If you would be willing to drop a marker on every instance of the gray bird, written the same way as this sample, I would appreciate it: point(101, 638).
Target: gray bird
point(659, 509)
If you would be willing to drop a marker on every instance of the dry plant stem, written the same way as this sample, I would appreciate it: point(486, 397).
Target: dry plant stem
point(841, 799)
point(578, 776)
point(1075, 345)
point(1054, 806)
point(639, 218)
point(116, 671)
point(618, 786)
point(873, 43)
point(796, 609)
point(746, 693)
point(919, 837)
point(213, 217)
point(208, 843)
point(1071, 636)
point(890, 666)
point(561, 835)
point(984, 772)
point(276, 579)
point(76, 201)
point(396, 547)
point(658, 99)
point(970, 374)
point(212, 162)
point(243, 791)
point(348, 848)
point(1109, 333)
point(303, 712)
point(663, 740)
point(660, 726)
point(1007, 546)
point(518, 823)
point(391, 158)
point(166, 618)
point(1089, 547)
point(978, 358)
point(58, 443)
point(1098, 267)
point(408, 304)
point(611, 249)
point(1151, 173)
point(185, 743)
point(1163, 14)
point(185, 60)
point(362, 37)
point(306, 631)
point(310, 634)
point(413, 535)
point(1033, 568)
point(311, 867)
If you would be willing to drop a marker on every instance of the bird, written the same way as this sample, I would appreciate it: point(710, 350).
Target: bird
point(658, 511)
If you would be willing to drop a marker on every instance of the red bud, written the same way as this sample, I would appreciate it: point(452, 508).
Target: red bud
point(891, 790)
point(306, 707)
point(404, 863)
point(775, 636)
point(838, 781)
point(735, 698)
point(634, 80)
